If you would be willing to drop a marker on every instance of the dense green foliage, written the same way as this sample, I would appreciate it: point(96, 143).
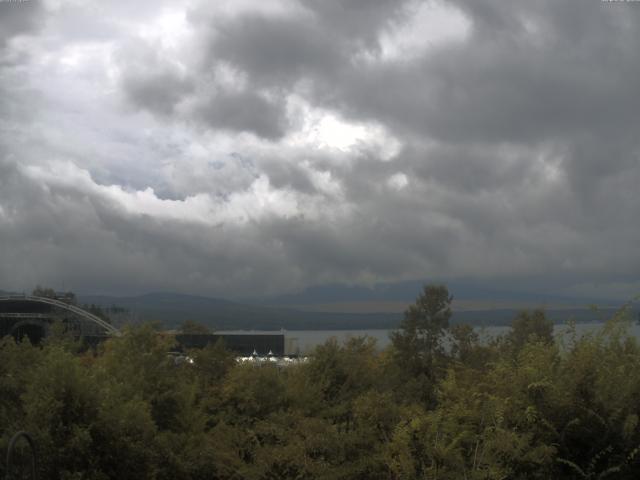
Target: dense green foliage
point(438, 404)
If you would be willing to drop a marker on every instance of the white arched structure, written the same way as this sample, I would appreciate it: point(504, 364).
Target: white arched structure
point(108, 328)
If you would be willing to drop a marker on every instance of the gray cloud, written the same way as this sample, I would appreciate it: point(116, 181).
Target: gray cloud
point(244, 112)
point(158, 93)
point(18, 18)
point(150, 81)
point(359, 20)
point(276, 50)
point(517, 156)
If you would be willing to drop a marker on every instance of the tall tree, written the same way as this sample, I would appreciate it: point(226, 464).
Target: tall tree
point(530, 326)
point(418, 343)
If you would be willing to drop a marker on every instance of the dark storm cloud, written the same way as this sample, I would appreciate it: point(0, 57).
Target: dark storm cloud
point(74, 234)
point(244, 112)
point(157, 85)
point(70, 231)
point(158, 93)
point(528, 71)
point(276, 50)
point(505, 83)
point(358, 20)
point(315, 43)
point(149, 81)
point(517, 153)
point(288, 175)
point(509, 134)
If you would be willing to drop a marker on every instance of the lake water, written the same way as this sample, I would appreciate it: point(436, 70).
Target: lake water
point(304, 341)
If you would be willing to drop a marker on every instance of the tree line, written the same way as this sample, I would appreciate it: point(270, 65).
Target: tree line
point(439, 403)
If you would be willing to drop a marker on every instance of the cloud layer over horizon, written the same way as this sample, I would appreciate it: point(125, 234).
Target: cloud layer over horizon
point(245, 148)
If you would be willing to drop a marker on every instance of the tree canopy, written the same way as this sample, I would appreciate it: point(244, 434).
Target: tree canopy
point(437, 404)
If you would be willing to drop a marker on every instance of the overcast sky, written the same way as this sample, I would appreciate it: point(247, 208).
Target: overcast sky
point(245, 148)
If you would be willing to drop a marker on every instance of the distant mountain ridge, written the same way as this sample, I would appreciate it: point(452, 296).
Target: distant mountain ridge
point(319, 308)
point(171, 309)
point(408, 291)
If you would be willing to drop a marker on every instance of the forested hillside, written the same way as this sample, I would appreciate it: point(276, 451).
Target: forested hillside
point(524, 406)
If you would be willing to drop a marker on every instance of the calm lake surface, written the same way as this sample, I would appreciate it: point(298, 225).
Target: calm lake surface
point(304, 341)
